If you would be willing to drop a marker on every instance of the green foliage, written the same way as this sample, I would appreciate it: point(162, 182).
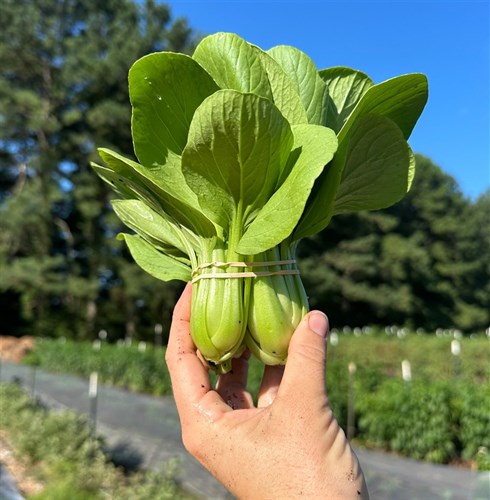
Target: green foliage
point(429, 420)
point(63, 89)
point(119, 365)
point(69, 460)
point(475, 421)
point(429, 355)
point(412, 419)
point(440, 416)
point(421, 263)
point(483, 459)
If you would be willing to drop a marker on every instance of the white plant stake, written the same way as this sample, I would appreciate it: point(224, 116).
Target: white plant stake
point(158, 335)
point(406, 371)
point(351, 418)
point(456, 355)
point(93, 395)
point(92, 387)
point(455, 347)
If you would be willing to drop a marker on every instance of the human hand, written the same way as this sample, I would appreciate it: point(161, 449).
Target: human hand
point(289, 446)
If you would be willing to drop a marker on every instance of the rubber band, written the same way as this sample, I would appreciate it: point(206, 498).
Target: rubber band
point(246, 274)
point(245, 264)
point(250, 274)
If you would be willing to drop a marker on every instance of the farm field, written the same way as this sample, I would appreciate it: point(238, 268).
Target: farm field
point(141, 367)
point(439, 415)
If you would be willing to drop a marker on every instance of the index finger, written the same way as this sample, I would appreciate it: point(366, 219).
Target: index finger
point(190, 380)
point(189, 377)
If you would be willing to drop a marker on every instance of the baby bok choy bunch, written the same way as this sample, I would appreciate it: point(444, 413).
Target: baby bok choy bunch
point(241, 154)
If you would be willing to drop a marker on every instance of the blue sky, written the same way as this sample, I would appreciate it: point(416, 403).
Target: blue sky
point(446, 40)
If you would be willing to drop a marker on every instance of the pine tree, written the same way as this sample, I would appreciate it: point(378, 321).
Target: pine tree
point(63, 92)
point(422, 263)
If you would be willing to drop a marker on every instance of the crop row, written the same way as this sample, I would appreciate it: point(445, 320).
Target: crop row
point(439, 413)
point(63, 454)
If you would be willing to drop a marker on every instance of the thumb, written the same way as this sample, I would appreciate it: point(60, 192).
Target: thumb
point(304, 375)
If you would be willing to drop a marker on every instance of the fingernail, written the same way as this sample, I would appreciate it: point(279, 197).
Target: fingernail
point(318, 322)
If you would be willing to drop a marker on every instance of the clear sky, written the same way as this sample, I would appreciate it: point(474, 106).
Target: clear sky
point(446, 40)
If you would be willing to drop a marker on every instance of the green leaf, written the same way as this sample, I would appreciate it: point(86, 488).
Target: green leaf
point(402, 99)
point(164, 183)
point(165, 90)
point(111, 178)
point(159, 265)
point(233, 63)
point(158, 230)
point(310, 87)
point(238, 147)
point(346, 86)
point(379, 166)
point(126, 186)
point(284, 93)
point(319, 207)
point(316, 146)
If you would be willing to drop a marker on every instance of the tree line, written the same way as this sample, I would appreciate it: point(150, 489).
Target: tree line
point(63, 92)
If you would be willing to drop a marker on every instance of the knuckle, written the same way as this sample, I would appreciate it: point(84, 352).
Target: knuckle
point(191, 442)
point(188, 441)
point(168, 357)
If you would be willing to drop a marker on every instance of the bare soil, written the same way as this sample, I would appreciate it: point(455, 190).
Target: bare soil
point(14, 349)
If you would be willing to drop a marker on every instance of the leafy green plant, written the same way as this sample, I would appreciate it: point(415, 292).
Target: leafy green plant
point(122, 366)
point(69, 460)
point(483, 459)
point(413, 419)
point(429, 420)
point(242, 153)
point(475, 421)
